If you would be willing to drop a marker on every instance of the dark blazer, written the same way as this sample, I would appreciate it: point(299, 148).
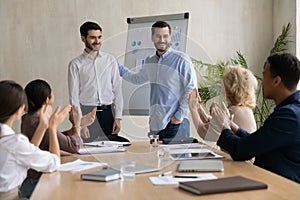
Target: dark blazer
point(275, 146)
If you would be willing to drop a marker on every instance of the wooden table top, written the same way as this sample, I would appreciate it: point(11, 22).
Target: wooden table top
point(67, 185)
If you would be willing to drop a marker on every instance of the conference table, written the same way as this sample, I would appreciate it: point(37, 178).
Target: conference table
point(66, 185)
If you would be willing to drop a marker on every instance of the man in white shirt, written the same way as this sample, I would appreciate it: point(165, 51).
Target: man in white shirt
point(94, 81)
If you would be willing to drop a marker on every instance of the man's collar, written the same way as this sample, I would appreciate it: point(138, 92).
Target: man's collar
point(86, 54)
point(293, 97)
point(166, 53)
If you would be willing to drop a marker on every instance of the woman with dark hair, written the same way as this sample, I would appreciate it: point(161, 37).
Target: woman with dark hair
point(39, 93)
point(17, 154)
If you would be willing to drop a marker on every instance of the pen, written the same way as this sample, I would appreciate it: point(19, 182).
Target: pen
point(186, 177)
point(165, 173)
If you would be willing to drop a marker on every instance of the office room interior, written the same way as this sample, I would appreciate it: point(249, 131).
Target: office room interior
point(40, 37)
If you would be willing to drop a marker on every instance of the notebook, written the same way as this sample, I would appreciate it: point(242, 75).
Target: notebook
point(200, 166)
point(105, 174)
point(228, 184)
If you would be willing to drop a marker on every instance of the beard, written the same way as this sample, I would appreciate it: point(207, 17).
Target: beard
point(92, 46)
point(162, 47)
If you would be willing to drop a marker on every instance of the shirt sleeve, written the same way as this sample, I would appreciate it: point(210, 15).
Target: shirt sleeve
point(73, 83)
point(136, 78)
point(277, 131)
point(117, 90)
point(26, 154)
point(189, 84)
point(69, 143)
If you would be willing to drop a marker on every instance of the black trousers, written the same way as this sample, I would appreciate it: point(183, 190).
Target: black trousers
point(102, 128)
point(103, 124)
point(106, 120)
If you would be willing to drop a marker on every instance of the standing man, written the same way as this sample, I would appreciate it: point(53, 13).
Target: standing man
point(171, 78)
point(276, 145)
point(94, 81)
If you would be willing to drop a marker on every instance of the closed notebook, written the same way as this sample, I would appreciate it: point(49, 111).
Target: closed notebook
point(106, 174)
point(229, 184)
point(200, 166)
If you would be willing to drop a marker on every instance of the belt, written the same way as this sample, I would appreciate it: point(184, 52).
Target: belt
point(103, 107)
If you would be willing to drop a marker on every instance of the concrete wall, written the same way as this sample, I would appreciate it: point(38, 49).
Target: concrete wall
point(39, 37)
point(284, 12)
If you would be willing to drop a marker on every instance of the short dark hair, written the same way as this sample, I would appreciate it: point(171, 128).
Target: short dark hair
point(37, 92)
point(12, 97)
point(287, 67)
point(86, 26)
point(160, 24)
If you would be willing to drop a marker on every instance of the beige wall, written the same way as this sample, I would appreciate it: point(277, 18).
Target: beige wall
point(39, 37)
point(283, 13)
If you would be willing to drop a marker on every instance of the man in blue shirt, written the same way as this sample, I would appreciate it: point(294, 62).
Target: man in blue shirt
point(276, 145)
point(171, 78)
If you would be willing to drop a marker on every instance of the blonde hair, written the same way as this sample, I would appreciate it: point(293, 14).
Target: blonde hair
point(240, 86)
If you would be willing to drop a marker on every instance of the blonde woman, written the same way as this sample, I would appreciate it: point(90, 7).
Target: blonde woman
point(240, 90)
point(239, 86)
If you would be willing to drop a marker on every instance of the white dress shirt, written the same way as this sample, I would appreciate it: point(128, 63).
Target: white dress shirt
point(17, 155)
point(95, 82)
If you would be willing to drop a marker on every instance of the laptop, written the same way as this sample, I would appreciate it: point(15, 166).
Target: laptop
point(200, 166)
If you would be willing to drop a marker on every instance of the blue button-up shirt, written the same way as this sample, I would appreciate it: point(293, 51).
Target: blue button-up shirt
point(172, 78)
point(276, 145)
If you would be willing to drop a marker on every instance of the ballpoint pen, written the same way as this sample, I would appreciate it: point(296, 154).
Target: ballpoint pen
point(165, 173)
point(186, 176)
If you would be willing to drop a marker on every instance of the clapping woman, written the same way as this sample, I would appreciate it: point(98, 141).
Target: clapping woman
point(17, 154)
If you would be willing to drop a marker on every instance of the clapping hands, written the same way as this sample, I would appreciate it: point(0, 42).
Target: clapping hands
point(45, 115)
point(89, 118)
point(221, 116)
point(58, 116)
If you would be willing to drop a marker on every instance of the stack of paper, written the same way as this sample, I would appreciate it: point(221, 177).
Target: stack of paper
point(107, 144)
point(79, 165)
point(95, 150)
point(171, 180)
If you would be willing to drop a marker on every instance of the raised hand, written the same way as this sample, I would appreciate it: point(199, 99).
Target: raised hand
point(220, 117)
point(226, 111)
point(89, 118)
point(45, 115)
point(194, 99)
point(74, 116)
point(84, 132)
point(39, 132)
point(59, 115)
point(56, 119)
